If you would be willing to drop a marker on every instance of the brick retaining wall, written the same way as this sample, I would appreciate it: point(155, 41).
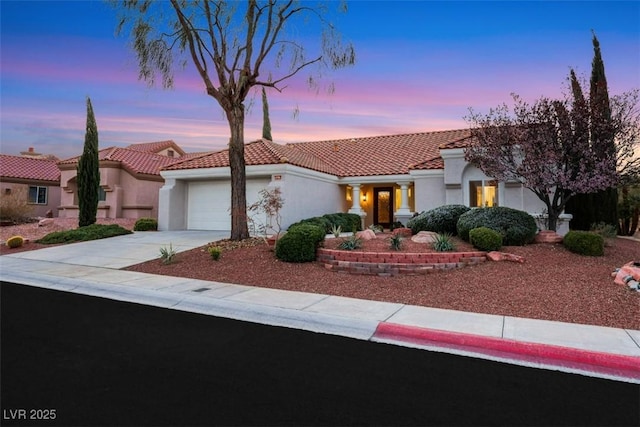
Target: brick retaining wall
point(395, 263)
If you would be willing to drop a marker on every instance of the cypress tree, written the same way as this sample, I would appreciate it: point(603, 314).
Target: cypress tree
point(602, 206)
point(266, 123)
point(604, 202)
point(580, 205)
point(88, 173)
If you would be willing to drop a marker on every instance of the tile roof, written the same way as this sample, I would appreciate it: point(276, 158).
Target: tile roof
point(378, 155)
point(260, 152)
point(154, 147)
point(29, 168)
point(135, 160)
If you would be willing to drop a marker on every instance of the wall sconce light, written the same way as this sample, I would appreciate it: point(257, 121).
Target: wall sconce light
point(364, 197)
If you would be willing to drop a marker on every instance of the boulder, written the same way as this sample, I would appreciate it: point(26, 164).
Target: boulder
point(402, 231)
point(548, 236)
point(424, 237)
point(45, 221)
point(366, 234)
point(503, 256)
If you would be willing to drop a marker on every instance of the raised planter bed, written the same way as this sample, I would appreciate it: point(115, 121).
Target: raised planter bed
point(395, 263)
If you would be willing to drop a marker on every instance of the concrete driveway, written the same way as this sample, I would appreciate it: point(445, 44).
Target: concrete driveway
point(123, 251)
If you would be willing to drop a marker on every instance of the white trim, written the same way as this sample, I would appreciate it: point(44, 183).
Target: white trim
point(452, 153)
point(429, 173)
point(375, 179)
point(253, 171)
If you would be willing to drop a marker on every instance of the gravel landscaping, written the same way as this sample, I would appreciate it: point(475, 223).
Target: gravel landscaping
point(552, 283)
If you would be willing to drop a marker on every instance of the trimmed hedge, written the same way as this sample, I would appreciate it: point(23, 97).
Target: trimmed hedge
point(485, 239)
point(346, 221)
point(584, 243)
point(88, 232)
point(442, 219)
point(146, 224)
point(516, 227)
point(299, 244)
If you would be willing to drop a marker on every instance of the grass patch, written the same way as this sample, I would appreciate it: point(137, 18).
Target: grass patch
point(81, 234)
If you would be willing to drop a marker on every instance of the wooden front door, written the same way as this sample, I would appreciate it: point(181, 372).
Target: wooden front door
point(383, 206)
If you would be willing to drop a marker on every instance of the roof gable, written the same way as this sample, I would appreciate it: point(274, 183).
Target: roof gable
point(156, 147)
point(29, 168)
point(136, 161)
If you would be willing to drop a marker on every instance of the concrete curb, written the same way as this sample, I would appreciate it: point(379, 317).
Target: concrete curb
point(606, 365)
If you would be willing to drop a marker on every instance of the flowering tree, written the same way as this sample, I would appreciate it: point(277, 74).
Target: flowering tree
point(544, 147)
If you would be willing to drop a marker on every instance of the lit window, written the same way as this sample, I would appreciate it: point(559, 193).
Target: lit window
point(38, 195)
point(483, 193)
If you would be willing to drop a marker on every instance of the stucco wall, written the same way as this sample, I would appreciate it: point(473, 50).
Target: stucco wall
point(53, 197)
point(429, 192)
point(306, 197)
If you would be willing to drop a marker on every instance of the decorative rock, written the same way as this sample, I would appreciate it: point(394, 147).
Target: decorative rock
point(45, 221)
point(548, 236)
point(366, 234)
point(403, 231)
point(503, 256)
point(424, 237)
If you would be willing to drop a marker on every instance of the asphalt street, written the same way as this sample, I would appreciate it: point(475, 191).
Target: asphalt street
point(71, 360)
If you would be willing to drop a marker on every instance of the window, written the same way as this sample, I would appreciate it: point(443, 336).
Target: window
point(170, 153)
point(483, 193)
point(38, 195)
point(102, 195)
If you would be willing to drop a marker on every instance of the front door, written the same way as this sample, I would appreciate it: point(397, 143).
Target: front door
point(383, 206)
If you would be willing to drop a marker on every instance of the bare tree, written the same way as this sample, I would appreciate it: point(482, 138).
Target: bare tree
point(230, 43)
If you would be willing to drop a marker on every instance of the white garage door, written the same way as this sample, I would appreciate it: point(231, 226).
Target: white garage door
point(209, 202)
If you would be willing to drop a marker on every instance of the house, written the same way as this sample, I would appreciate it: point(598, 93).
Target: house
point(36, 178)
point(129, 180)
point(383, 179)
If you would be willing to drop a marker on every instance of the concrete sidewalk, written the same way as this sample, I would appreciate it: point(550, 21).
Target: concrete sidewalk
point(92, 268)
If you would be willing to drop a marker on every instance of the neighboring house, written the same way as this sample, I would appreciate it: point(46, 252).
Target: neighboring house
point(129, 180)
point(38, 177)
point(382, 178)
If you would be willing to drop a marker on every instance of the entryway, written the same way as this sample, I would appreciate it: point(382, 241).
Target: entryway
point(383, 206)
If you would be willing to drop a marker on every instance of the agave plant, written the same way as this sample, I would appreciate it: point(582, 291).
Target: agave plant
point(351, 243)
point(395, 242)
point(336, 230)
point(443, 243)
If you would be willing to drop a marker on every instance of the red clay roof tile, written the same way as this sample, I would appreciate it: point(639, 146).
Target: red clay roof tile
point(29, 168)
point(379, 155)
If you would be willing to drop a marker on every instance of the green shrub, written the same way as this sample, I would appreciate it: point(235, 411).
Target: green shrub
point(215, 252)
point(485, 239)
point(89, 232)
point(584, 243)
point(443, 243)
point(516, 227)
point(146, 224)
point(15, 242)
point(440, 220)
point(376, 228)
point(299, 244)
point(346, 221)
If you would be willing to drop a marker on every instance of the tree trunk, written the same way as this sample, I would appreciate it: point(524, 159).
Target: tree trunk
point(552, 218)
point(239, 229)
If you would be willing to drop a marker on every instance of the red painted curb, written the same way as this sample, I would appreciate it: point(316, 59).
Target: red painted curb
point(593, 361)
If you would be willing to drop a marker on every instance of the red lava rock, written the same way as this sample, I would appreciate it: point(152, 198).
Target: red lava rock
point(402, 231)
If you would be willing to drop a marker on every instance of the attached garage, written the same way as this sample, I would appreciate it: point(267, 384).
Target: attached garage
point(208, 203)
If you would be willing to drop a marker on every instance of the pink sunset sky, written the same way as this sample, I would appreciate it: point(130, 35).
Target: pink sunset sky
point(420, 66)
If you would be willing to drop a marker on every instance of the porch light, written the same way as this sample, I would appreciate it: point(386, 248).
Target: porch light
point(364, 197)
